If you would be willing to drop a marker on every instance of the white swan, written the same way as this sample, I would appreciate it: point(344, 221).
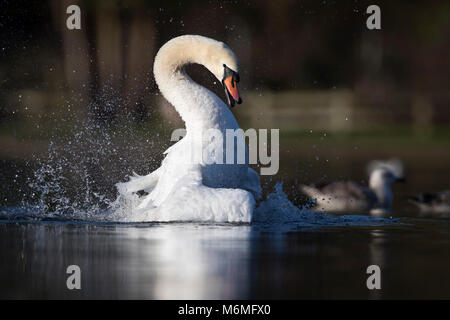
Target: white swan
point(348, 196)
point(200, 189)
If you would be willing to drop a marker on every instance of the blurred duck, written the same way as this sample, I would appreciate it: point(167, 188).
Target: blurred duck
point(348, 196)
point(438, 202)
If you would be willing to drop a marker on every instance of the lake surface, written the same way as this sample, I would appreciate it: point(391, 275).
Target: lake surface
point(210, 261)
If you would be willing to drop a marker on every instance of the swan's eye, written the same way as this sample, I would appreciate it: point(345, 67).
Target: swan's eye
point(227, 72)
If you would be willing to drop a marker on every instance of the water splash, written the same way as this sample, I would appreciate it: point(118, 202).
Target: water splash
point(75, 180)
point(278, 209)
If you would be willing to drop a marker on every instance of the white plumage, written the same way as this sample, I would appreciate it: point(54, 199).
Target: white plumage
point(191, 184)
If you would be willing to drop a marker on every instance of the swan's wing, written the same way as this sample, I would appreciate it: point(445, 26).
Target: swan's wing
point(311, 191)
point(340, 190)
point(147, 183)
point(138, 183)
point(349, 190)
point(190, 200)
point(341, 196)
point(252, 183)
point(169, 149)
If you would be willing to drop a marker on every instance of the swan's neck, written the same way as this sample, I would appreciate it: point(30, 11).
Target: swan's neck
point(382, 190)
point(198, 107)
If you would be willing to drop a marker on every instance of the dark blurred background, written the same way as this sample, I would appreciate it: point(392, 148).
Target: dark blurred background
point(341, 94)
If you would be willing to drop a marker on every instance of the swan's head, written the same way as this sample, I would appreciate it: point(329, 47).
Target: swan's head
point(384, 176)
point(216, 56)
point(223, 63)
point(383, 173)
point(230, 80)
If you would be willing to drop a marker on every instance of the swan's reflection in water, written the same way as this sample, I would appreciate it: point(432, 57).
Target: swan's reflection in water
point(199, 262)
point(377, 257)
point(165, 261)
point(193, 261)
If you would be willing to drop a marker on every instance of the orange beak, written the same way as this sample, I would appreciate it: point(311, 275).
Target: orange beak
point(232, 90)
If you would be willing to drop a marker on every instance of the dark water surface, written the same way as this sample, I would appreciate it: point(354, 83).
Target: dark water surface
point(210, 261)
point(204, 261)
